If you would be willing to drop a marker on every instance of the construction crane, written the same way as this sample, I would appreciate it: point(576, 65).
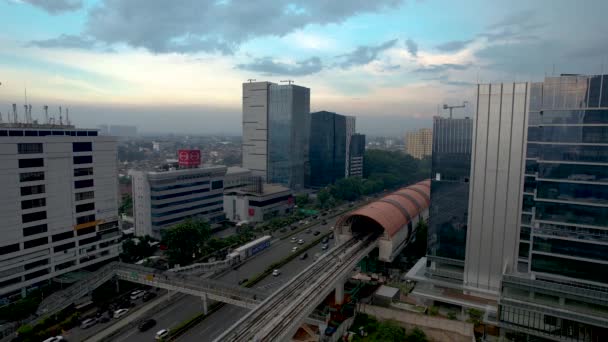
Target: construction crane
point(445, 106)
point(287, 81)
point(251, 80)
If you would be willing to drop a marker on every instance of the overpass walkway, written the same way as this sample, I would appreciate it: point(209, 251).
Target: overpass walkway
point(192, 285)
point(278, 317)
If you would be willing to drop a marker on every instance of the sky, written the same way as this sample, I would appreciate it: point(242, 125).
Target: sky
point(178, 66)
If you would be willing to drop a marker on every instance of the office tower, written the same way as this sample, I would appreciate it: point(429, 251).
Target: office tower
point(166, 198)
point(356, 155)
point(59, 203)
point(418, 144)
point(276, 126)
point(451, 168)
point(350, 130)
point(327, 148)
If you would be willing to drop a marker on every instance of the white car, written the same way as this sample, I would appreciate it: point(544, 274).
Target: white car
point(294, 249)
point(87, 323)
point(55, 339)
point(294, 239)
point(324, 247)
point(120, 312)
point(137, 294)
point(276, 273)
point(161, 334)
point(300, 242)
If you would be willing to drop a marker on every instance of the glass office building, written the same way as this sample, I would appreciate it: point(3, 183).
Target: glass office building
point(327, 148)
point(559, 289)
point(288, 128)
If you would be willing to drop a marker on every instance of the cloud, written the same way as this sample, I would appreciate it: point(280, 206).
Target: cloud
point(412, 47)
point(65, 41)
point(437, 68)
point(453, 46)
point(266, 66)
point(56, 6)
point(214, 26)
point(444, 79)
point(364, 54)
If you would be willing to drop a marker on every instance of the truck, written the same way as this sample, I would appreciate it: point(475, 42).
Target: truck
point(250, 249)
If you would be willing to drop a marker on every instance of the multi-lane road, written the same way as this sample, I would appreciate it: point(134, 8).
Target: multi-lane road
point(188, 306)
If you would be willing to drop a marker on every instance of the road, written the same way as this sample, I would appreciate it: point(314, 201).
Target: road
point(189, 306)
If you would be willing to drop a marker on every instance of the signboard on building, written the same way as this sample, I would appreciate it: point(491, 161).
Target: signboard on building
point(189, 158)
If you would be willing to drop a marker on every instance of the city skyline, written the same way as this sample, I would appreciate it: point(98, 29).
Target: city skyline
point(388, 59)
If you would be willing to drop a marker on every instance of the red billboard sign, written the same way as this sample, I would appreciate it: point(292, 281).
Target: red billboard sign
point(189, 158)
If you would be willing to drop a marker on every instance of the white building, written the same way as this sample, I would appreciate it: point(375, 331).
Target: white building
point(59, 203)
point(166, 198)
point(252, 206)
point(236, 177)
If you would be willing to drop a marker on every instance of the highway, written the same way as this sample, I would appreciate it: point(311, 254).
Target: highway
point(188, 306)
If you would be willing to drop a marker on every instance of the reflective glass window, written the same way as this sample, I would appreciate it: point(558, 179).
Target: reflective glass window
point(592, 193)
point(574, 153)
point(570, 268)
point(570, 248)
point(595, 84)
point(576, 172)
point(604, 98)
point(572, 213)
point(580, 134)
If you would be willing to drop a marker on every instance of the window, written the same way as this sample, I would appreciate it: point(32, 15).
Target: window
point(37, 216)
point(87, 171)
point(85, 207)
point(33, 203)
point(35, 264)
point(218, 184)
point(87, 183)
point(32, 190)
point(31, 176)
point(85, 219)
point(28, 148)
point(33, 230)
point(81, 196)
point(9, 249)
point(63, 236)
point(35, 242)
point(88, 240)
point(64, 247)
point(108, 225)
point(82, 147)
point(36, 274)
point(15, 133)
point(85, 231)
point(83, 159)
point(32, 162)
point(65, 265)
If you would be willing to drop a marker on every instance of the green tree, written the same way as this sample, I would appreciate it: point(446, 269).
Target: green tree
point(137, 249)
point(347, 189)
point(323, 197)
point(416, 335)
point(389, 331)
point(302, 200)
point(185, 241)
point(126, 205)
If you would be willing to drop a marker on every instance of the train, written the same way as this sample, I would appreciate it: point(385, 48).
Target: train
point(250, 249)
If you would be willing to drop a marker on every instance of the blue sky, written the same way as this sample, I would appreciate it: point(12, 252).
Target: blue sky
point(178, 65)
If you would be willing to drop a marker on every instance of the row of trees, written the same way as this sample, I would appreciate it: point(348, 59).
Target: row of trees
point(385, 331)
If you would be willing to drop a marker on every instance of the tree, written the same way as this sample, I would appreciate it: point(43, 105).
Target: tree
point(126, 207)
point(186, 240)
point(323, 197)
point(134, 251)
point(389, 331)
point(302, 200)
point(416, 335)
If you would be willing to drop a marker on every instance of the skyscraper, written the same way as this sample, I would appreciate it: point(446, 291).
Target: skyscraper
point(418, 144)
point(59, 203)
point(350, 130)
point(276, 126)
point(356, 155)
point(327, 148)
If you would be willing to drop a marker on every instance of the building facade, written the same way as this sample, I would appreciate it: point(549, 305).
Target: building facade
point(276, 126)
point(451, 168)
point(244, 205)
point(163, 199)
point(59, 203)
point(350, 130)
point(327, 148)
point(418, 144)
point(356, 155)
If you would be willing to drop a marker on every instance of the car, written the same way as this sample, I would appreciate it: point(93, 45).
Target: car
point(300, 242)
point(55, 339)
point(161, 334)
point(241, 282)
point(87, 323)
point(137, 294)
point(332, 228)
point(303, 256)
point(104, 318)
point(148, 296)
point(308, 231)
point(294, 249)
point(294, 239)
point(301, 222)
point(147, 324)
point(120, 312)
point(276, 273)
point(325, 240)
point(331, 236)
point(294, 227)
point(324, 247)
point(316, 233)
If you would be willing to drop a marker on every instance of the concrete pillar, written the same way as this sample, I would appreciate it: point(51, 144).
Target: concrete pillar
point(340, 292)
point(204, 298)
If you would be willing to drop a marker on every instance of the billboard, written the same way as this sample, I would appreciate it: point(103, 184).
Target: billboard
point(189, 158)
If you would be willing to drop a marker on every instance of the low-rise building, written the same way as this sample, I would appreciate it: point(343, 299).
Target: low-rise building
point(252, 205)
point(236, 177)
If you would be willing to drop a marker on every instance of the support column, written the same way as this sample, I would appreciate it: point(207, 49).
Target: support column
point(205, 308)
point(340, 292)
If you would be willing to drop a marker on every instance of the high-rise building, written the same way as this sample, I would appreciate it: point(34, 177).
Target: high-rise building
point(451, 168)
point(166, 198)
point(276, 126)
point(418, 144)
point(59, 203)
point(350, 130)
point(327, 148)
point(356, 155)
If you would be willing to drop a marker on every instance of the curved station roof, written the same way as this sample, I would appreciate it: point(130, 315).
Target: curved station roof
point(396, 210)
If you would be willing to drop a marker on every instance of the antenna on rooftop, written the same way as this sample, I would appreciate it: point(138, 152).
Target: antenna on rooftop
point(25, 117)
point(287, 81)
point(60, 117)
point(251, 80)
